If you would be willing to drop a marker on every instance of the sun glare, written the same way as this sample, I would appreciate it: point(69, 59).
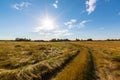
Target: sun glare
point(48, 23)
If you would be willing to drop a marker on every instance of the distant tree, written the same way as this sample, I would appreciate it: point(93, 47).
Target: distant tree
point(53, 40)
point(108, 40)
point(66, 40)
point(59, 40)
point(77, 39)
point(90, 39)
point(112, 39)
point(39, 41)
point(22, 39)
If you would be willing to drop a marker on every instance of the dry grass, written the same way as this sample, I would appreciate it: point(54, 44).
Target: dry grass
point(31, 60)
point(79, 69)
point(106, 58)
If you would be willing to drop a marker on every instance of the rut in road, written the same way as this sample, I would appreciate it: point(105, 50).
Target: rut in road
point(81, 68)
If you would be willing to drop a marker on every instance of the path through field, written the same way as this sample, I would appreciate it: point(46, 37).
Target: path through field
point(60, 61)
point(81, 68)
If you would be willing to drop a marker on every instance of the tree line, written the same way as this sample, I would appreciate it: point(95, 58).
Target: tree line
point(52, 40)
point(62, 40)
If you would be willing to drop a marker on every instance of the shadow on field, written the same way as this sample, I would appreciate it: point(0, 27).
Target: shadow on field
point(91, 69)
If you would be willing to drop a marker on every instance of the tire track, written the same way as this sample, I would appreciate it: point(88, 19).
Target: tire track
point(81, 68)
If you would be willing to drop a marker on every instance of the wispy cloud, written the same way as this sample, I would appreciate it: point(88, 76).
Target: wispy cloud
point(21, 6)
point(70, 23)
point(55, 4)
point(82, 23)
point(42, 28)
point(73, 23)
point(53, 31)
point(90, 6)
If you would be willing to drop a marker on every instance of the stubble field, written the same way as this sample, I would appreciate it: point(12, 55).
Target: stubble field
point(95, 60)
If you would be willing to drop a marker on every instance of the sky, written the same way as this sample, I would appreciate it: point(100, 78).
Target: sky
point(47, 19)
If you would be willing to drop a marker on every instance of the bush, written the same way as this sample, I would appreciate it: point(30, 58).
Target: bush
point(22, 39)
point(90, 39)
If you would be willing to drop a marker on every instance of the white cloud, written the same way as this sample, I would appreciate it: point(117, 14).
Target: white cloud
point(54, 33)
point(64, 32)
point(42, 28)
point(48, 29)
point(55, 4)
point(70, 23)
point(90, 6)
point(21, 6)
point(82, 23)
point(74, 24)
point(45, 25)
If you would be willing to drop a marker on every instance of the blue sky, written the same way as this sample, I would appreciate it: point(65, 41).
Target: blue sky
point(47, 19)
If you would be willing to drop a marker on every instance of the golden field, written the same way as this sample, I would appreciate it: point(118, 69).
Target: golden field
point(106, 56)
point(87, 60)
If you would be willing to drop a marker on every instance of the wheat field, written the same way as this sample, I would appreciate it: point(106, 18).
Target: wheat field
point(87, 60)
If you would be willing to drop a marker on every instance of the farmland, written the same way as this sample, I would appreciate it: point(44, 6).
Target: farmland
point(87, 60)
point(106, 56)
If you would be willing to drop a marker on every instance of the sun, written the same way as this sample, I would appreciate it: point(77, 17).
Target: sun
point(48, 23)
